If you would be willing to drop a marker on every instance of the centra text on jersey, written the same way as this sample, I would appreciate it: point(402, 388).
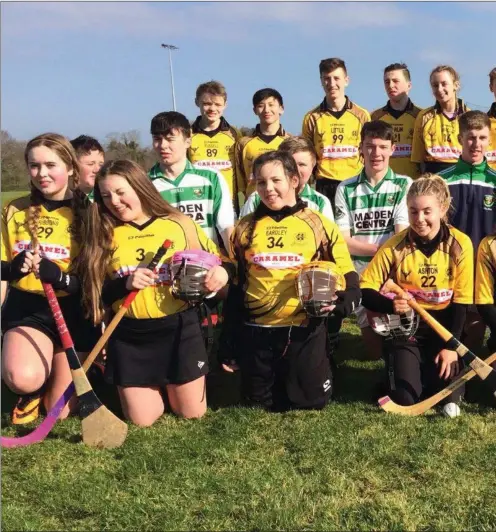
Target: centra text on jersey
point(373, 220)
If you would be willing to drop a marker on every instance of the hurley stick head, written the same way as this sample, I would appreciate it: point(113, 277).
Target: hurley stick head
point(103, 429)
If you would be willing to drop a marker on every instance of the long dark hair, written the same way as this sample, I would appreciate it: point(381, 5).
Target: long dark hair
point(95, 255)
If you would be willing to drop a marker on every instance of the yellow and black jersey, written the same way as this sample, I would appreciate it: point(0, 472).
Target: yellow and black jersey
point(336, 137)
point(247, 149)
point(403, 124)
point(435, 136)
point(280, 245)
point(491, 152)
point(135, 246)
point(485, 271)
point(54, 235)
point(214, 149)
point(437, 279)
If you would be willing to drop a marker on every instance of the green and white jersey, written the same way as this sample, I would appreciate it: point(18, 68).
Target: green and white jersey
point(369, 212)
point(202, 194)
point(315, 201)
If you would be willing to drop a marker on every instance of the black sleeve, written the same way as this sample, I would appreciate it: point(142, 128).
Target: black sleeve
point(230, 269)
point(349, 299)
point(376, 302)
point(6, 273)
point(114, 289)
point(458, 319)
point(488, 313)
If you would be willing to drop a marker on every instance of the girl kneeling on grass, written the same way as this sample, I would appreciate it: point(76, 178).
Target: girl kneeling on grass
point(434, 263)
point(39, 243)
point(158, 345)
point(283, 352)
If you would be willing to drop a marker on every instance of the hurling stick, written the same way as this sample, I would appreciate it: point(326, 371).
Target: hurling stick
point(479, 366)
point(100, 428)
point(388, 405)
point(44, 428)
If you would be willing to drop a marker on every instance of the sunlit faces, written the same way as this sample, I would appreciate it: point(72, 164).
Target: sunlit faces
point(443, 86)
point(376, 154)
point(334, 83)
point(269, 111)
point(425, 214)
point(171, 148)
point(276, 190)
point(90, 164)
point(475, 143)
point(49, 173)
point(396, 85)
point(305, 162)
point(211, 107)
point(121, 199)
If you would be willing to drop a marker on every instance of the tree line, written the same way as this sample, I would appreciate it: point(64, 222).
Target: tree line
point(126, 145)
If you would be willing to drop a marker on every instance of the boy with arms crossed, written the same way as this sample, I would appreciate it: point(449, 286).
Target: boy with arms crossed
point(333, 127)
point(213, 139)
point(400, 112)
point(370, 208)
point(202, 194)
point(268, 105)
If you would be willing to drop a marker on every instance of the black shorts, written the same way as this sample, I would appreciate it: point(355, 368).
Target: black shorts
point(25, 309)
point(156, 352)
point(412, 372)
point(282, 379)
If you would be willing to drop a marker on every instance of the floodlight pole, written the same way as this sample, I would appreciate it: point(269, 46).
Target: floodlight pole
point(171, 47)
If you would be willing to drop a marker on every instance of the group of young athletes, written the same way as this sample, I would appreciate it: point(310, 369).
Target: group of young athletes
point(402, 193)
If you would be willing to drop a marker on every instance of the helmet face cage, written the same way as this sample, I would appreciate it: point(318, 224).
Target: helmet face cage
point(188, 271)
point(316, 285)
point(397, 326)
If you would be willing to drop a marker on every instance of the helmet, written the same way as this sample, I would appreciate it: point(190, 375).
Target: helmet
point(316, 286)
point(394, 325)
point(188, 269)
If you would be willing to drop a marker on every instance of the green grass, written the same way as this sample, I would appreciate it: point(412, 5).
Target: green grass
point(348, 467)
point(11, 195)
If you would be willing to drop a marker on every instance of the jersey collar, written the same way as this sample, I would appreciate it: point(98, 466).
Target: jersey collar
point(223, 126)
point(268, 138)
point(467, 167)
point(492, 111)
point(395, 113)
point(53, 205)
point(156, 173)
point(363, 178)
point(347, 105)
point(263, 210)
point(459, 110)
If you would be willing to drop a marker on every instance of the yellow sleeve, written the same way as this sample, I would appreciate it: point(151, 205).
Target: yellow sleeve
point(337, 248)
point(6, 252)
point(307, 128)
point(378, 270)
point(418, 145)
point(463, 289)
point(484, 274)
point(239, 169)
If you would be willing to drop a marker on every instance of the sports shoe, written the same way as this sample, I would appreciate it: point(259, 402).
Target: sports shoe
point(451, 410)
point(27, 409)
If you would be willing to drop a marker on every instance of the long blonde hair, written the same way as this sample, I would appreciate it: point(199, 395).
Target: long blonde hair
point(431, 185)
point(94, 258)
point(63, 148)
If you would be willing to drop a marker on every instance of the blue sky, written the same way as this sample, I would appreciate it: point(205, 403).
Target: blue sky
point(98, 68)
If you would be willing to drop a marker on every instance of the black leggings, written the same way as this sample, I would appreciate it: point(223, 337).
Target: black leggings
point(413, 374)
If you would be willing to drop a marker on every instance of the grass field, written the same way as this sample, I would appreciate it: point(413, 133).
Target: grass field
point(349, 467)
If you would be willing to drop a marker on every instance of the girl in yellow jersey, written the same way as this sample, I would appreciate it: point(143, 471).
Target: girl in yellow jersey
point(158, 345)
point(282, 351)
point(434, 263)
point(435, 143)
point(39, 243)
